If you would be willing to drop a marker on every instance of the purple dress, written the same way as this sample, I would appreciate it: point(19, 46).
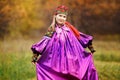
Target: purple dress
point(63, 57)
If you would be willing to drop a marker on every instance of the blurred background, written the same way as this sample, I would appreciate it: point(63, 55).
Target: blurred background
point(24, 22)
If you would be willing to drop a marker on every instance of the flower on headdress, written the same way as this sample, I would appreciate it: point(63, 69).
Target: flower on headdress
point(62, 10)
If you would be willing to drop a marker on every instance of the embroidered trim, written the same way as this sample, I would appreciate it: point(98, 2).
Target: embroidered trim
point(49, 32)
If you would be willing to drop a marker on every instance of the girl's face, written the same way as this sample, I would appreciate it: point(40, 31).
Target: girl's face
point(61, 18)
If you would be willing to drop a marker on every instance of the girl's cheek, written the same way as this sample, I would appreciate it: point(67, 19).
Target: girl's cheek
point(64, 19)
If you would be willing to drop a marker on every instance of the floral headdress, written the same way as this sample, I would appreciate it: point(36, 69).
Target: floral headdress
point(61, 10)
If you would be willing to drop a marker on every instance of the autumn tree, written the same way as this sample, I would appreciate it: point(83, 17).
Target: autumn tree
point(5, 8)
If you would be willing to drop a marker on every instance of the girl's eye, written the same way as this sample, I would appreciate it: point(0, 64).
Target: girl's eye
point(60, 15)
point(64, 16)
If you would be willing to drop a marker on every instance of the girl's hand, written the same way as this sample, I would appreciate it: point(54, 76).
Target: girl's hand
point(34, 58)
point(53, 21)
point(34, 63)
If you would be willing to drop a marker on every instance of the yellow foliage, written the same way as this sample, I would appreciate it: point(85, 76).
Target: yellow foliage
point(23, 16)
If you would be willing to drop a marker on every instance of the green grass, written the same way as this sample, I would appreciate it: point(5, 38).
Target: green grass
point(107, 51)
point(15, 60)
point(108, 70)
point(16, 66)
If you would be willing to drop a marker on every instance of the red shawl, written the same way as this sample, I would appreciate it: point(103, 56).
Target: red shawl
point(75, 31)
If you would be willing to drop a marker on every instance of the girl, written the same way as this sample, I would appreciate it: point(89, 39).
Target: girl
point(62, 50)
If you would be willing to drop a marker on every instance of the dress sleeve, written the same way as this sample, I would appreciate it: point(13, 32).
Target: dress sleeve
point(85, 39)
point(39, 47)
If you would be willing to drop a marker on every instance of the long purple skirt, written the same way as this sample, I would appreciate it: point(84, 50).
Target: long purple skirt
point(63, 57)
